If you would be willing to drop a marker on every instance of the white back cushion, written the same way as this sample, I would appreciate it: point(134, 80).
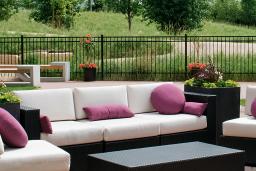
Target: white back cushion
point(1, 146)
point(91, 96)
point(57, 104)
point(139, 97)
point(250, 96)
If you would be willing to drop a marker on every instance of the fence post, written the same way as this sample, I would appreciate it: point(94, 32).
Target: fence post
point(102, 56)
point(186, 56)
point(22, 48)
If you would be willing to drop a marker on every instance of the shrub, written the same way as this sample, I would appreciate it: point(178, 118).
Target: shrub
point(7, 96)
point(210, 77)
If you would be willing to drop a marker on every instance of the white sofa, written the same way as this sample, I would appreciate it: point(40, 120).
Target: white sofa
point(71, 127)
point(240, 132)
point(244, 126)
point(38, 155)
point(64, 107)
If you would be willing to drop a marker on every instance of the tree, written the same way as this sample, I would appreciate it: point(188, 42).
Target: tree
point(27, 4)
point(175, 15)
point(249, 12)
point(60, 13)
point(129, 8)
point(7, 8)
point(226, 10)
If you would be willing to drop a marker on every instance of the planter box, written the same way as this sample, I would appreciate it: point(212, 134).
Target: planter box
point(89, 74)
point(227, 102)
point(12, 108)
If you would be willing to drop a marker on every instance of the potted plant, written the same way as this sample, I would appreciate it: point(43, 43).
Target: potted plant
point(88, 67)
point(89, 71)
point(194, 68)
point(209, 80)
point(9, 101)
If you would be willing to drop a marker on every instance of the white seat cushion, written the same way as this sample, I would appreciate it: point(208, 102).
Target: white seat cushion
point(240, 127)
point(91, 96)
point(139, 97)
point(250, 96)
point(170, 124)
point(1, 146)
point(72, 133)
point(37, 155)
point(128, 128)
point(57, 104)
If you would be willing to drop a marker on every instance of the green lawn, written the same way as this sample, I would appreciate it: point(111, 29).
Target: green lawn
point(108, 24)
point(14, 88)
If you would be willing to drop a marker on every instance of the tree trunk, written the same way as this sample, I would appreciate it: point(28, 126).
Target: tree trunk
point(130, 22)
point(129, 15)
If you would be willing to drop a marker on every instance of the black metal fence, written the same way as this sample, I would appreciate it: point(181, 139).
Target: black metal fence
point(137, 58)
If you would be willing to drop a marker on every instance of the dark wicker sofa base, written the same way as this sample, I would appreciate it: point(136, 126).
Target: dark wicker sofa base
point(246, 144)
point(30, 122)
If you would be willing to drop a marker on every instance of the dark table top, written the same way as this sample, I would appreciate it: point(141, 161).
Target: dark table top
point(164, 154)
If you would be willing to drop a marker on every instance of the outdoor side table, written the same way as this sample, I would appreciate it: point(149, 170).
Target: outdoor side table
point(194, 156)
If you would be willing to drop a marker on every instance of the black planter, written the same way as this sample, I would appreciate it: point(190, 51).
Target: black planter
point(89, 74)
point(12, 108)
point(227, 102)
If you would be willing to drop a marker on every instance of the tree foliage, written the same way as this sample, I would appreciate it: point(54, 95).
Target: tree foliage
point(176, 15)
point(27, 4)
point(60, 13)
point(249, 12)
point(7, 8)
point(129, 8)
point(226, 10)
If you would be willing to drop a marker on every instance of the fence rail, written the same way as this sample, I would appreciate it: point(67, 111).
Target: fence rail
point(137, 57)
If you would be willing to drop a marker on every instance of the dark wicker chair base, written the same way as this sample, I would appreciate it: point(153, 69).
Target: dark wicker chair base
point(246, 144)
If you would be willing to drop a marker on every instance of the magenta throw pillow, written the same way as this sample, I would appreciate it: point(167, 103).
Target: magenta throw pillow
point(194, 108)
point(253, 108)
point(104, 112)
point(168, 99)
point(11, 131)
point(46, 126)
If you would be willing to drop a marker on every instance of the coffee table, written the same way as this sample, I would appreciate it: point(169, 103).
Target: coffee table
point(194, 156)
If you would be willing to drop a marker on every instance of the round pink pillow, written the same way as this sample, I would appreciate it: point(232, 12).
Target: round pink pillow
point(11, 131)
point(168, 99)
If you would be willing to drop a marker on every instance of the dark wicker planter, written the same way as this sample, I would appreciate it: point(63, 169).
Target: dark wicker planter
point(12, 108)
point(227, 102)
point(89, 74)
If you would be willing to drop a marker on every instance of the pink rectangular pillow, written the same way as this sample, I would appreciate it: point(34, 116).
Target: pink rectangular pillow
point(46, 126)
point(104, 112)
point(194, 108)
